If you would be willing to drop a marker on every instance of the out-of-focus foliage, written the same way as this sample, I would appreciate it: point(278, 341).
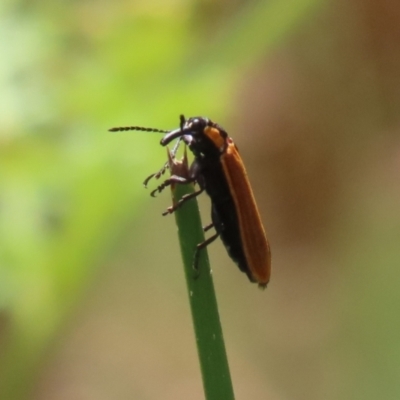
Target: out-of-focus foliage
point(69, 71)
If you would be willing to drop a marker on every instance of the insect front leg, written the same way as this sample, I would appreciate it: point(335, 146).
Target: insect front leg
point(194, 176)
point(173, 179)
point(161, 172)
point(156, 175)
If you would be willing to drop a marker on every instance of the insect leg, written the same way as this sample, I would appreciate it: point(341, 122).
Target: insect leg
point(194, 176)
point(156, 175)
point(173, 179)
point(181, 201)
point(200, 247)
point(208, 227)
point(161, 172)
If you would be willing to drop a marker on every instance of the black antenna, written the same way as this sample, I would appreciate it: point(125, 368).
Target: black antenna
point(182, 120)
point(136, 128)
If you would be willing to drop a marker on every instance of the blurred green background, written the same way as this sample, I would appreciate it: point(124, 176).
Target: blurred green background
point(92, 296)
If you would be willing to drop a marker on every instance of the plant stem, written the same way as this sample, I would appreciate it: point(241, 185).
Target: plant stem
point(203, 303)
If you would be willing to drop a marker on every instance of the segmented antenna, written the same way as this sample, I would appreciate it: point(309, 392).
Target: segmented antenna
point(136, 128)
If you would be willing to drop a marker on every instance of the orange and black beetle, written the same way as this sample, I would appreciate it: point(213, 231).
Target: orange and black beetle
point(218, 169)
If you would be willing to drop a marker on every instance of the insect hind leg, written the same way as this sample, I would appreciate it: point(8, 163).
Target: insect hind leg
point(208, 227)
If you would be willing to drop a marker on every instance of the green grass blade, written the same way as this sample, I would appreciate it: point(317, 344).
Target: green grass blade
point(203, 303)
